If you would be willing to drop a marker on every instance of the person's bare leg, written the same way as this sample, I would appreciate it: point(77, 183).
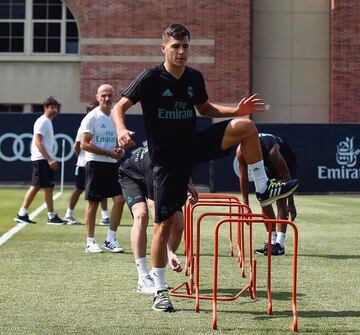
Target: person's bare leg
point(138, 230)
point(138, 245)
point(245, 132)
point(269, 212)
point(29, 196)
point(90, 216)
point(49, 198)
point(75, 198)
point(116, 212)
point(177, 228)
point(159, 243)
point(282, 214)
point(104, 205)
point(159, 253)
point(111, 243)
point(105, 215)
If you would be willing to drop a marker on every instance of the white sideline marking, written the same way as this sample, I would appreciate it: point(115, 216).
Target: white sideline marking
point(20, 226)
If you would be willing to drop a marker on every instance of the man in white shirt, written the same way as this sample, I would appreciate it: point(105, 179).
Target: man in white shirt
point(80, 180)
point(99, 141)
point(43, 164)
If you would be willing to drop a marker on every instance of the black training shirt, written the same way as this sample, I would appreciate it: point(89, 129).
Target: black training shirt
point(168, 109)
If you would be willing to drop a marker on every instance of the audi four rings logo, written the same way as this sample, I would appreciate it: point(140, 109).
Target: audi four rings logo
point(17, 149)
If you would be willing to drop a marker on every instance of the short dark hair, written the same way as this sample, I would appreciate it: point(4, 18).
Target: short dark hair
point(50, 101)
point(91, 106)
point(175, 30)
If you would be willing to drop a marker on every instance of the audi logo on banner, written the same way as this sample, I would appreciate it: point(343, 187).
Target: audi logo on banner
point(15, 147)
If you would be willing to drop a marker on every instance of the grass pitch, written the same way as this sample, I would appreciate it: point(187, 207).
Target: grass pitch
point(48, 285)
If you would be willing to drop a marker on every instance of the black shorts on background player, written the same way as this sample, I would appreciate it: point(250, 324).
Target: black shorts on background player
point(105, 185)
point(80, 178)
point(42, 175)
point(136, 178)
point(133, 190)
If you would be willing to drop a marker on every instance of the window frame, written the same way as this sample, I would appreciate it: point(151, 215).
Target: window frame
point(29, 37)
point(10, 106)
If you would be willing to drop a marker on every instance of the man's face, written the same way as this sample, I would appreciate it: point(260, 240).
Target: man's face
point(176, 51)
point(51, 111)
point(105, 98)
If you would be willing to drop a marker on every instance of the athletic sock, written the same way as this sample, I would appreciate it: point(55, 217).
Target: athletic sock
point(105, 214)
point(273, 237)
point(22, 211)
point(90, 240)
point(259, 175)
point(280, 239)
point(111, 235)
point(159, 278)
point(51, 215)
point(141, 266)
point(69, 212)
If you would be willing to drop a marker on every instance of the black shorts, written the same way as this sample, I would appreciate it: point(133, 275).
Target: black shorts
point(80, 178)
point(42, 175)
point(101, 181)
point(134, 190)
point(171, 181)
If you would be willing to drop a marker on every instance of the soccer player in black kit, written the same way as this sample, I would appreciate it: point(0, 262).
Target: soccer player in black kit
point(169, 94)
point(280, 163)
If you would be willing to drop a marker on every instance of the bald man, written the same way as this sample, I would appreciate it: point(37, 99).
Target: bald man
point(99, 142)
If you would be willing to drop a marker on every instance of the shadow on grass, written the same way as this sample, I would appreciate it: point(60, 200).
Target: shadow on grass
point(309, 314)
point(280, 296)
point(332, 256)
point(280, 314)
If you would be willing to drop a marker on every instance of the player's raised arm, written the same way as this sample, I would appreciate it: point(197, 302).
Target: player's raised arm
point(118, 114)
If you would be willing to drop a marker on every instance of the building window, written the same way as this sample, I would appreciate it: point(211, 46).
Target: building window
point(37, 108)
point(11, 108)
point(72, 34)
point(12, 21)
point(48, 25)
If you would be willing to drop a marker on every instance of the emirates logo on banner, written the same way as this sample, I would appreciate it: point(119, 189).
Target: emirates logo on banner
point(346, 154)
point(346, 158)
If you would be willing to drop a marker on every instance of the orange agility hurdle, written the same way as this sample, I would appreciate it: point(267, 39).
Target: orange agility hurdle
point(227, 202)
point(250, 286)
point(242, 216)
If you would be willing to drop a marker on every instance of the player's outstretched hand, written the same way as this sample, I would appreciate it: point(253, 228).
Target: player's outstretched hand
point(250, 105)
point(125, 138)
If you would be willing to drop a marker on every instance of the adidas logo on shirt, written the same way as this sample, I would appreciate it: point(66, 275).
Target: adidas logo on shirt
point(103, 125)
point(167, 93)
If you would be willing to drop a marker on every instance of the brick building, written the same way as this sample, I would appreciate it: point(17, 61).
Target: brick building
point(300, 55)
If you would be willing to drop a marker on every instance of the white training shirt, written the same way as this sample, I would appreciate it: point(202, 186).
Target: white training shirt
point(81, 158)
point(102, 129)
point(43, 126)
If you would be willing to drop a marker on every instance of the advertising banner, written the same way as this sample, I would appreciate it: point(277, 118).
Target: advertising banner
point(328, 155)
point(16, 136)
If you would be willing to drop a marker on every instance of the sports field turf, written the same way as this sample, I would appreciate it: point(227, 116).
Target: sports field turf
point(48, 285)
